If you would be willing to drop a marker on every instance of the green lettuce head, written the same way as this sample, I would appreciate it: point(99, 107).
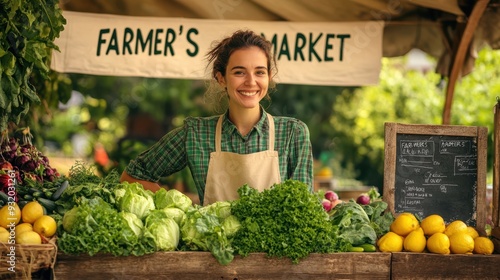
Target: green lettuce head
point(231, 225)
point(221, 209)
point(134, 223)
point(172, 198)
point(175, 213)
point(133, 198)
point(163, 230)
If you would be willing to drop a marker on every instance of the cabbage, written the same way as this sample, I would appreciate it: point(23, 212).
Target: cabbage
point(163, 230)
point(133, 198)
point(221, 209)
point(194, 228)
point(174, 213)
point(95, 226)
point(231, 225)
point(172, 198)
point(134, 223)
point(210, 228)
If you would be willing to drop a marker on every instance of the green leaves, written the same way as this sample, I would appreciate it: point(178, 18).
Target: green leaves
point(284, 221)
point(29, 28)
point(360, 224)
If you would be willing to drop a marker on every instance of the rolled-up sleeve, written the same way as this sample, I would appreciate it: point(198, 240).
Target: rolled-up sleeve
point(300, 160)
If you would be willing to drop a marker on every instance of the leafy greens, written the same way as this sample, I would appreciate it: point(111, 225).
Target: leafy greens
point(286, 220)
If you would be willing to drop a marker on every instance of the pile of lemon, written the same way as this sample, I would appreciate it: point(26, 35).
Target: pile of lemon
point(27, 226)
point(433, 235)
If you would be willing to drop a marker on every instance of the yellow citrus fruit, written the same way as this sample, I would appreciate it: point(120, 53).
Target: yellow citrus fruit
point(415, 241)
point(433, 224)
point(325, 172)
point(28, 237)
point(438, 243)
point(461, 243)
point(22, 227)
point(472, 232)
point(31, 211)
point(411, 216)
point(4, 235)
point(404, 224)
point(390, 242)
point(483, 245)
point(45, 225)
point(454, 227)
point(10, 214)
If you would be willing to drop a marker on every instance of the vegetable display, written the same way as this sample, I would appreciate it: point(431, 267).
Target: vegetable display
point(27, 169)
point(102, 215)
point(96, 227)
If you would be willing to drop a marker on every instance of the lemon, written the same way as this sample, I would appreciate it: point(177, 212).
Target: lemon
point(472, 232)
point(32, 211)
point(454, 227)
point(461, 243)
point(415, 241)
point(404, 224)
point(439, 243)
point(4, 234)
point(414, 218)
point(433, 224)
point(10, 214)
point(390, 242)
point(28, 237)
point(483, 245)
point(22, 227)
point(45, 225)
point(325, 172)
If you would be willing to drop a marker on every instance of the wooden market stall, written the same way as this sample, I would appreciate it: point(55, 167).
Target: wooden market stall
point(378, 265)
point(202, 265)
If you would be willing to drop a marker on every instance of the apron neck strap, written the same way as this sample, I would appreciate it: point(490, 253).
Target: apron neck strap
point(218, 132)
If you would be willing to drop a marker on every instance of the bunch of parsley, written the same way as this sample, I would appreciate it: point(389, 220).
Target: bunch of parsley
point(286, 220)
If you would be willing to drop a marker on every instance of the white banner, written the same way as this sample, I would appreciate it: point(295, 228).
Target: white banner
point(310, 53)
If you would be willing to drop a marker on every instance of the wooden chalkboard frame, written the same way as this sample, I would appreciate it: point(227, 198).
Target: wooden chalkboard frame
point(393, 129)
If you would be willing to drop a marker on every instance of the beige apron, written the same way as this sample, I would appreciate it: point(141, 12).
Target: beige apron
point(227, 172)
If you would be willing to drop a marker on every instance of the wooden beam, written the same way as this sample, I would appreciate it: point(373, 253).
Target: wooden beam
point(495, 199)
point(458, 62)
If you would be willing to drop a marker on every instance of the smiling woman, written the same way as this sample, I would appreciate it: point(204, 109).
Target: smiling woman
point(243, 146)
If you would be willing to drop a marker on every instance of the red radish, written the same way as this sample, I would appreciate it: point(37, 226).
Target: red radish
point(331, 195)
point(327, 205)
point(363, 199)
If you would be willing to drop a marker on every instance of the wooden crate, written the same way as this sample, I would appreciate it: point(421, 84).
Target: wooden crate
point(202, 265)
point(434, 266)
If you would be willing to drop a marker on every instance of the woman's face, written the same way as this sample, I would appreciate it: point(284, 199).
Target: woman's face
point(247, 78)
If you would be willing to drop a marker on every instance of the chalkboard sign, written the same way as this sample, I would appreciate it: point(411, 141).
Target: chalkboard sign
point(436, 169)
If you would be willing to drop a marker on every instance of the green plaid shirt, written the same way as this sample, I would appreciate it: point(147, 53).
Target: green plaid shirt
point(191, 145)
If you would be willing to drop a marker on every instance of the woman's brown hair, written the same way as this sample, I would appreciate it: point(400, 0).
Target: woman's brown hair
point(220, 53)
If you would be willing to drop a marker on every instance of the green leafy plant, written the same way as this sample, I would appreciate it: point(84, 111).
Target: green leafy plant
point(286, 220)
point(27, 33)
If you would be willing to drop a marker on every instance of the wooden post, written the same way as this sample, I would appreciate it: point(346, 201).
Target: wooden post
point(458, 61)
point(495, 199)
